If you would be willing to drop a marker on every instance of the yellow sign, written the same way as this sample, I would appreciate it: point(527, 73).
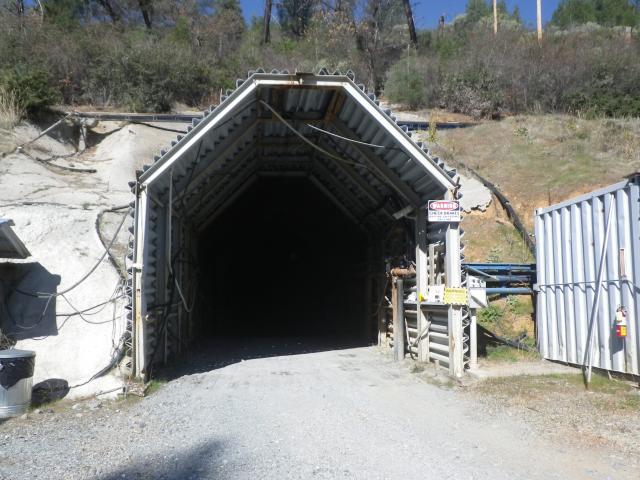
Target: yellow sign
point(455, 296)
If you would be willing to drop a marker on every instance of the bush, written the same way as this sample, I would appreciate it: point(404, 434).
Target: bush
point(594, 72)
point(30, 88)
point(474, 92)
point(406, 85)
point(146, 74)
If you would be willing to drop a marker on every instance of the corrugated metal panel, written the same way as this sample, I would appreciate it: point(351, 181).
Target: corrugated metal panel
point(10, 245)
point(570, 242)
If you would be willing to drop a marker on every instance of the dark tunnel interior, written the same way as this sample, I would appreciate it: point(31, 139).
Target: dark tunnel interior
point(283, 261)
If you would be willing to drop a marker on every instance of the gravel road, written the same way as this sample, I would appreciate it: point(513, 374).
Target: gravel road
point(348, 413)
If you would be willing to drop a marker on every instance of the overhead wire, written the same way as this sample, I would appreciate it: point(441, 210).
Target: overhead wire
point(306, 140)
point(373, 145)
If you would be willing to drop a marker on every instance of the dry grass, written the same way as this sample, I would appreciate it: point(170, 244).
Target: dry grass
point(559, 405)
point(537, 160)
point(11, 113)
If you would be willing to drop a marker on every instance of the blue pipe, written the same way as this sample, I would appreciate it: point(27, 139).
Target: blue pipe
point(509, 291)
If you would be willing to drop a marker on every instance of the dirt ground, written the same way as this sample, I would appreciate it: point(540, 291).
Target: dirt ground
point(273, 411)
point(605, 416)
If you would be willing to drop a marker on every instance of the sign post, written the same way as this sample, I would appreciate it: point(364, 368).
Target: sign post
point(448, 211)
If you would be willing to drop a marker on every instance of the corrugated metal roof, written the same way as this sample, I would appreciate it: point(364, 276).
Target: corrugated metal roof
point(248, 136)
point(10, 245)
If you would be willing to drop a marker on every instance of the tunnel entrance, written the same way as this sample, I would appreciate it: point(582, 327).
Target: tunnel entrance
point(280, 213)
point(283, 261)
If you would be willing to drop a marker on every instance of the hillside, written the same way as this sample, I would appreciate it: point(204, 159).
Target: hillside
point(536, 160)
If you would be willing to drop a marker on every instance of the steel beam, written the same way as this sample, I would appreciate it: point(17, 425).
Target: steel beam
point(453, 278)
point(422, 275)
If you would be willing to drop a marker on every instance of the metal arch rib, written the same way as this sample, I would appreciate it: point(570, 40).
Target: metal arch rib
point(241, 132)
point(245, 158)
point(200, 131)
point(381, 168)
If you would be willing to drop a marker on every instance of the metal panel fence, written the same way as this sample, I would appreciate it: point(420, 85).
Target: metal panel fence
point(571, 239)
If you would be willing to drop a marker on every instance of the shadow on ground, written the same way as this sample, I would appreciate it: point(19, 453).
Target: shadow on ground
point(218, 353)
point(200, 462)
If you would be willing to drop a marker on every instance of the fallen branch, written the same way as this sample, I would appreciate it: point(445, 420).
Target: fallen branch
point(48, 162)
point(517, 343)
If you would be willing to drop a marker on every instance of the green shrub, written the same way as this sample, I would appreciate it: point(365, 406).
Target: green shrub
point(490, 315)
point(145, 74)
point(406, 85)
point(32, 88)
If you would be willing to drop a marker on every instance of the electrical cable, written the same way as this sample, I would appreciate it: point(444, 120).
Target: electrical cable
point(345, 138)
point(93, 269)
point(134, 122)
point(82, 316)
point(86, 311)
point(306, 140)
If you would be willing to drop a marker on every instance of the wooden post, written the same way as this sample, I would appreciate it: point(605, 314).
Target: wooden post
point(369, 301)
point(398, 318)
point(539, 18)
point(453, 279)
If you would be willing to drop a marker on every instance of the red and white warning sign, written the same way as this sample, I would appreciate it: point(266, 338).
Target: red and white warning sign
point(443, 211)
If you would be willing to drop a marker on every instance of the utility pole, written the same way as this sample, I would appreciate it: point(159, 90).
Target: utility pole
point(495, 17)
point(539, 14)
point(266, 37)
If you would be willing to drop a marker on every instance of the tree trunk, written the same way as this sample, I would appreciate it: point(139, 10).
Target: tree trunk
point(266, 37)
point(20, 8)
point(145, 9)
point(412, 27)
point(111, 11)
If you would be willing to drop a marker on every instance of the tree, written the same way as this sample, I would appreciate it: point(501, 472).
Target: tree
point(220, 31)
point(604, 12)
point(146, 9)
point(112, 9)
point(378, 39)
point(295, 15)
point(266, 32)
point(477, 10)
point(412, 28)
